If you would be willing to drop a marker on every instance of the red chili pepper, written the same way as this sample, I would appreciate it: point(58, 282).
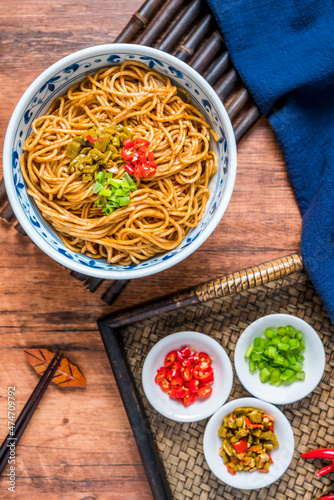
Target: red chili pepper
point(320, 453)
point(172, 393)
point(128, 143)
point(172, 374)
point(128, 169)
point(179, 356)
point(250, 425)
point(127, 154)
point(189, 399)
point(90, 139)
point(182, 393)
point(193, 358)
point(271, 460)
point(204, 392)
point(325, 470)
point(176, 366)
point(170, 358)
point(176, 382)
point(194, 386)
point(263, 470)
point(187, 364)
point(141, 142)
point(240, 446)
point(185, 351)
point(203, 365)
point(327, 497)
point(164, 384)
point(160, 377)
point(203, 376)
point(182, 378)
point(231, 471)
point(207, 381)
point(186, 374)
point(203, 357)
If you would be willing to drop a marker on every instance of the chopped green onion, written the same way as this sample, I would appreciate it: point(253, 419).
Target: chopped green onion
point(278, 356)
point(249, 351)
point(105, 192)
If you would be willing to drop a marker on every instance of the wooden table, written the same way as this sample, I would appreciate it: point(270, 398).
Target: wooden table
point(79, 444)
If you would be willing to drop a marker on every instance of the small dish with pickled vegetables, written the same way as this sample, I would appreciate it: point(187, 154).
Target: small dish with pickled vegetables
point(279, 358)
point(248, 443)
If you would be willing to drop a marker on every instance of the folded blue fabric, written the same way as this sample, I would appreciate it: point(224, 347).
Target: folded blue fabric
point(284, 52)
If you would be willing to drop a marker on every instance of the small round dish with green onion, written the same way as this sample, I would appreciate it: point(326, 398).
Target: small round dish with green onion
point(279, 358)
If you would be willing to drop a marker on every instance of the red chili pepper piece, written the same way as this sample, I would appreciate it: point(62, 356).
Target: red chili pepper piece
point(160, 377)
point(204, 357)
point(231, 471)
point(176, 382)
point(249, 424)
point(204, 392)
point(240, 446)
point(170, 358)
point(164, 384)
point(176, 366)
point(321, 453)
point(127, 154)
point(207, 381)
point(141, 142)
point(325, 470)
point(186, 374)
point(194, 386)
point(128, 169)
point(189, 399)
point(193, 358)
point(128, 143)
point(179, 356)
point(327, 497)
point(90, 139)
point(185, 351)
point(182, 393)
point(172, 374)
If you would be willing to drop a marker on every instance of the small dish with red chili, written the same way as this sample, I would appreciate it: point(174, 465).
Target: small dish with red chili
point(187, 376)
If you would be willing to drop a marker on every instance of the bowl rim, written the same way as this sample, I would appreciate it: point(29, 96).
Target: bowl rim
point(301, 391)
point(110, 273)
point(218, 350)
point(252, 402)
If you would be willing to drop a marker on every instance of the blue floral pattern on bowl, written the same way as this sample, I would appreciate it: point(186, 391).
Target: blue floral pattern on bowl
point(57, 85)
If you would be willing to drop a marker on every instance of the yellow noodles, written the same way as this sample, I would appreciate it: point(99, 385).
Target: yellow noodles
point(164, 207)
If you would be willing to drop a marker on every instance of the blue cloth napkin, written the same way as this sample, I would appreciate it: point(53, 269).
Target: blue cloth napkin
point(284, 52)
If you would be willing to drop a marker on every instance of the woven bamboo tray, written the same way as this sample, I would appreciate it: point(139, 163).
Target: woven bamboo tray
point(172, 452)
point(187, 30)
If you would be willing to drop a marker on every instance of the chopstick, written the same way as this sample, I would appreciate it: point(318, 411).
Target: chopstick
point(28, 410)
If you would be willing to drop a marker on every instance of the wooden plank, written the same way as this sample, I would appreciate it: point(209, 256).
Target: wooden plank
point(79, 444)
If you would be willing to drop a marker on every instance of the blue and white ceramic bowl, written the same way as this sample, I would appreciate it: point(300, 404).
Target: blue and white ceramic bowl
point(55, 81)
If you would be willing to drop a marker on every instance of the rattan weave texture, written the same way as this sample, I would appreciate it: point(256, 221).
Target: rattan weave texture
point(312, 419)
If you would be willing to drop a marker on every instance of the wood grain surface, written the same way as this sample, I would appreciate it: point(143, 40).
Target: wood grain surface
point(79, 444)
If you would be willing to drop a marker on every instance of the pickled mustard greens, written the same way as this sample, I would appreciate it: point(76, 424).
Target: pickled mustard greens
point(278, 356)
point(247, 440)
point(97, 150)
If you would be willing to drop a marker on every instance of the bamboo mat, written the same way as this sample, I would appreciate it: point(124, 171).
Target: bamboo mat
point(312, 419)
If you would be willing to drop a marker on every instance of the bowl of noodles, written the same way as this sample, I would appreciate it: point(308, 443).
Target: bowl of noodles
point(119, 161)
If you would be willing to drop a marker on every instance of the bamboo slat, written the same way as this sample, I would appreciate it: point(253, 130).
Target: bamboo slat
point(226, 285)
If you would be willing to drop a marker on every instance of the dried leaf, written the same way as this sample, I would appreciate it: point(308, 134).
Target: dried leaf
point(67, 374)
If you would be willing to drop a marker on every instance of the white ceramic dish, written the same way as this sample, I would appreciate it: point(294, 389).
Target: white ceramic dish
point(314, 363)
point(282, 455)
point(201, 408)
point(55, 81)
